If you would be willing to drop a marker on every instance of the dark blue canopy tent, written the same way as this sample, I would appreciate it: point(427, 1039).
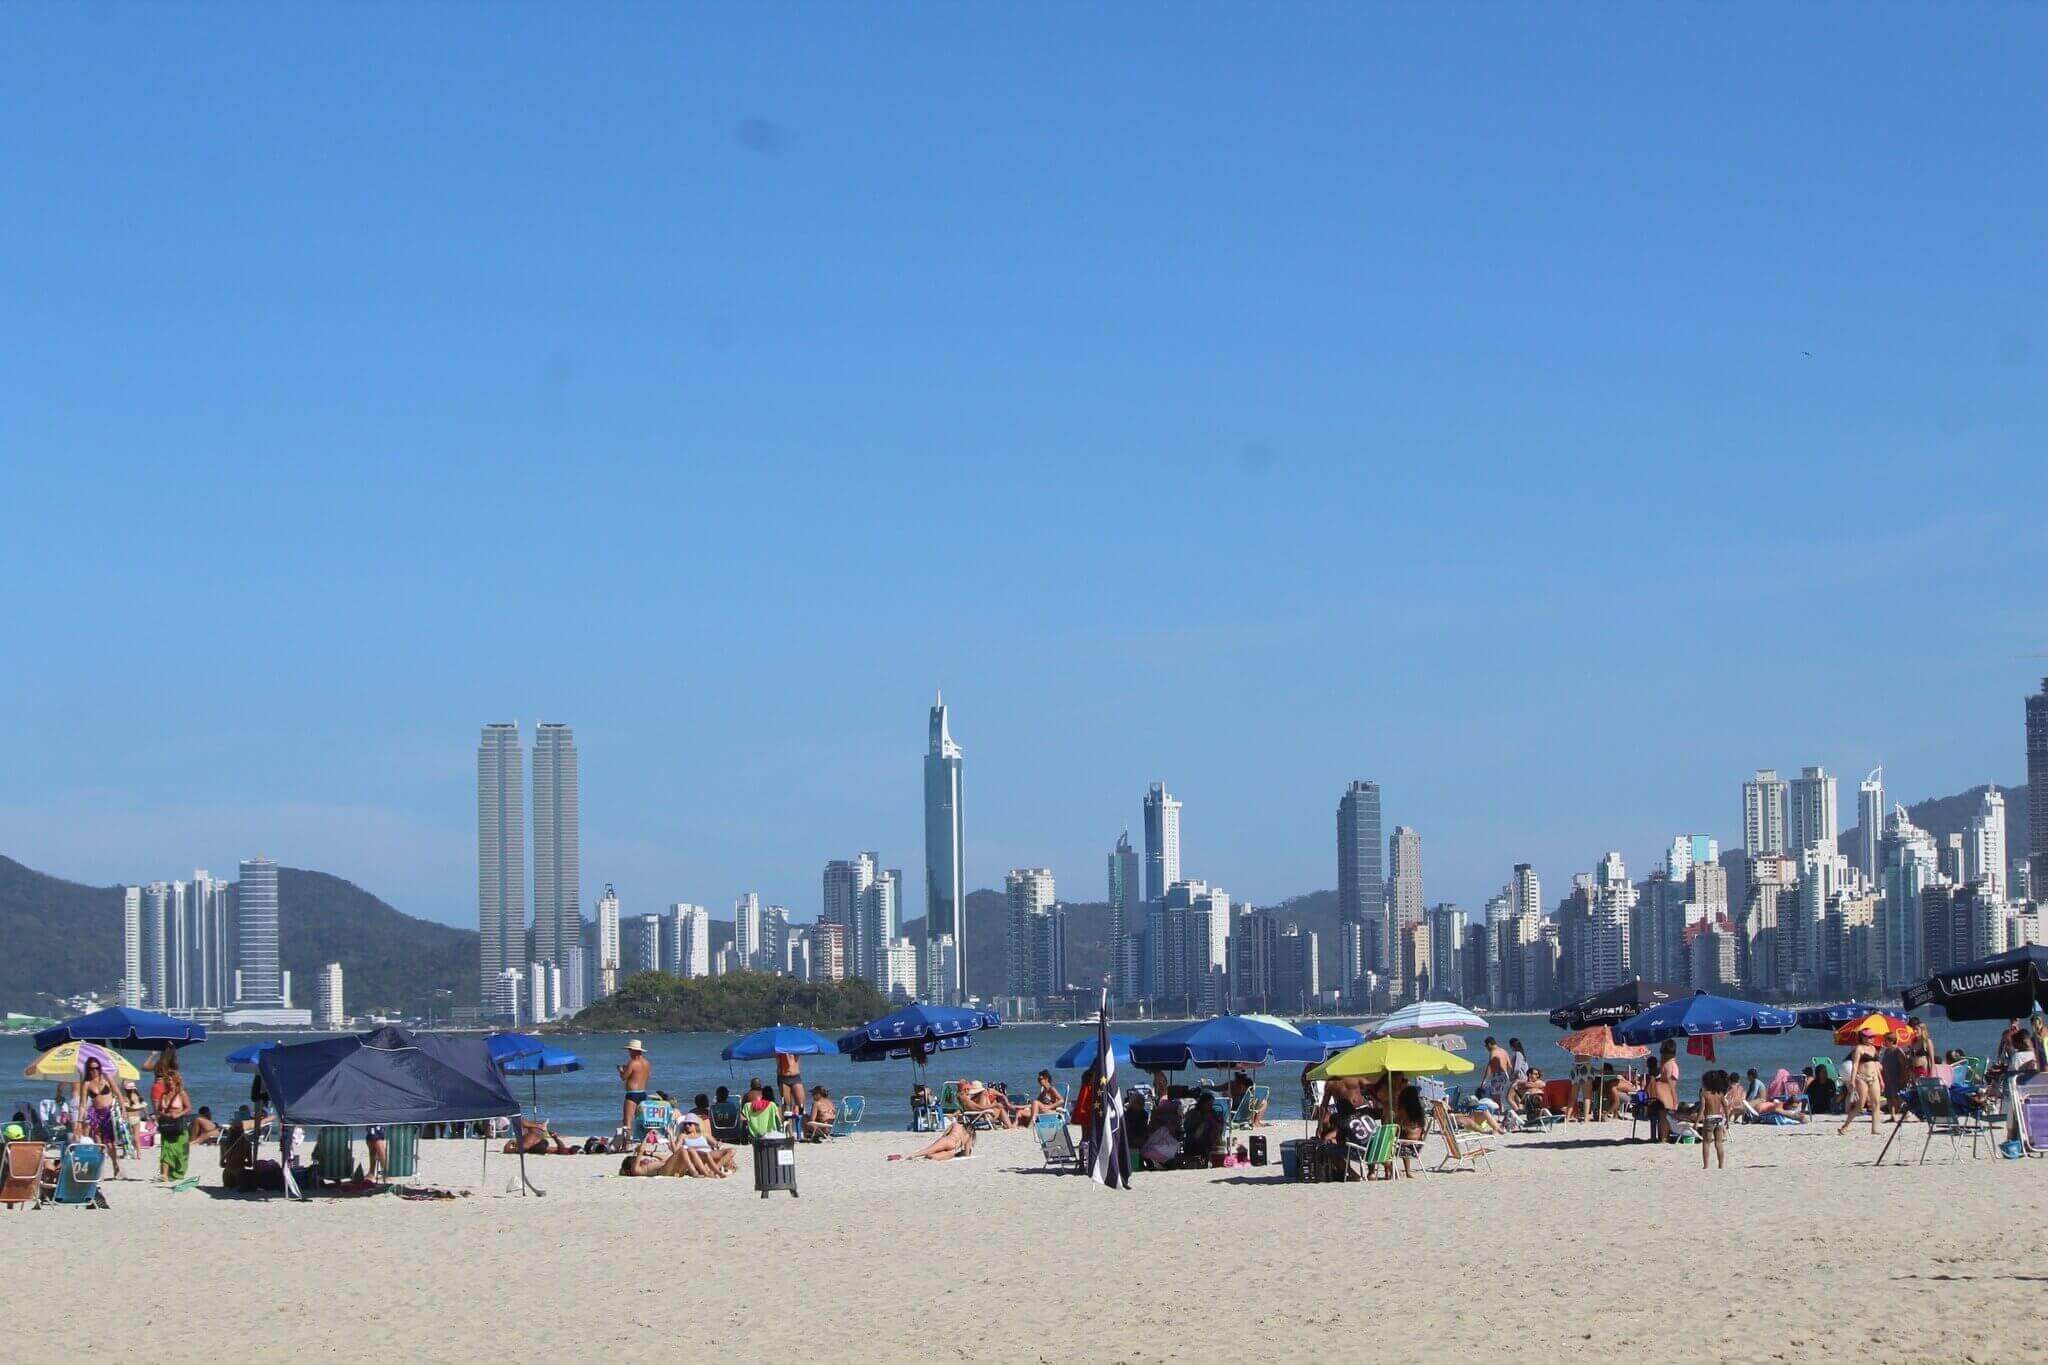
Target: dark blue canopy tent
point(386, 1076)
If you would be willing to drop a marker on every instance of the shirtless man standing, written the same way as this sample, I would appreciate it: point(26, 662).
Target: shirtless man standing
point(1494, 1084)
point(634, 1076)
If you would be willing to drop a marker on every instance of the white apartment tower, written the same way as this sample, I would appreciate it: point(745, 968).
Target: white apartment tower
point(328, 1011)
point(607, 943)
point(1811, 817)
point(1763, 813)
point(1984, 846)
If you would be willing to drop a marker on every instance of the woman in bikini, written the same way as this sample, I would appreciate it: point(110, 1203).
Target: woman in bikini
point(1865, 1090)
point(97, 1099)
point(956, 1141)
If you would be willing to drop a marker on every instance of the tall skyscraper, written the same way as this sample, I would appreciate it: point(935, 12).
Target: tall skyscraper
point(1361, 880)
point(945, 893)
point(1870, 816)
point(131, 946)
point(1446, 951)
point(1811, 816)
point(1910, 863)
point(328, 1009)
point(1404, 882)
point(1763, 813)
point(1125, 918)
point(1985, 844)
point(1162, 841)
point(746, 930)
point(608, 944)
point(881, 911)
point(557, 859)
point(693, 940)
point(156, 914)
point(500, 856)
point(1030, 893)
point(256, 952)
point(2037, 789)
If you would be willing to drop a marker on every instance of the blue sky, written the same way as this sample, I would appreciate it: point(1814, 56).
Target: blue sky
point(1251, 402)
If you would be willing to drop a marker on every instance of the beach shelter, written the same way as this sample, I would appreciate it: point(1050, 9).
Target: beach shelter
point(916, 1030)
point(122, 1027)
point(1425, 1017)
point(1701, 1015)
point(1082, 1055)
point(1334, 1037)
point(2008, 985)
point(1616, 1003)
point(764, 1043)
point(386, 1076)
point(66, 1062)
point(1227, 1040)
point(1831, 1017)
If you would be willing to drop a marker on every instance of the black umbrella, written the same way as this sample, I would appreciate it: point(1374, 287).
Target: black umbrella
point(1615, 1004)
point(2005, 986)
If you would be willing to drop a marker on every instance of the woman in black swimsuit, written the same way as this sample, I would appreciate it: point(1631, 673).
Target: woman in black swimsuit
point(97, 1099)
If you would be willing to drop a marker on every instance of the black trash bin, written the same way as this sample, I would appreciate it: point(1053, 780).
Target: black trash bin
point(775, 1165)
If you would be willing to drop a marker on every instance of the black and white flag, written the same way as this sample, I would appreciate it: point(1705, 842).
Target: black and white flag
point(1109, 1166)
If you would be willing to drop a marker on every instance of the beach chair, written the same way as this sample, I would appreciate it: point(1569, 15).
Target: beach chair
point(2033, 1116)
point(20, 1181)
point(1378, 1148)
point(1457, 1150)
point(847, 1122)
point(1942, 1120)
point(949, 1105)
point(725, 1123)
point(1055, 1142)
point(1247, 1104)
point(77, 1181)
point(1538, 1117)
point(653, 1116)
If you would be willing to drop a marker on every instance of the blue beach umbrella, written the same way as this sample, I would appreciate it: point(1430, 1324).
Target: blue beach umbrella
point(1334, 1037)
point(1832, 1017)
point(1082, 1055)
point(934, 1028)
point(1701, 1015)
point(764, 1043)
point(245, 1059)
point(548, 1061)
point(1226, 1040)
point(508, 1047)
point(123, 1028)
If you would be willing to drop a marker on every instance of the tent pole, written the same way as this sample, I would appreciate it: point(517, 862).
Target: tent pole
point(1898, 1122)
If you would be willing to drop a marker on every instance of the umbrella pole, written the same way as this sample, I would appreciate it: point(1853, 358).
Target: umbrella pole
point(1898, 1122)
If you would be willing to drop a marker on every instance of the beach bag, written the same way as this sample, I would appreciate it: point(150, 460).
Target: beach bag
point(2012, 1149)
point(145, 1136)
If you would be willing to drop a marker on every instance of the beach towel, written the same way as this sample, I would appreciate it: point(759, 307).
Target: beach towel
point(1780, 1086)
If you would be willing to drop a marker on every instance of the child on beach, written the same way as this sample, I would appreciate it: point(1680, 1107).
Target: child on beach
point(1719, 1104)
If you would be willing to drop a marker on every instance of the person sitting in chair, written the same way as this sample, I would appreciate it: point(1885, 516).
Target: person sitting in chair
point(824, 1113)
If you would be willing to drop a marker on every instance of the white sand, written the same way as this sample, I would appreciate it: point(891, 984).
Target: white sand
point(1800, 1250)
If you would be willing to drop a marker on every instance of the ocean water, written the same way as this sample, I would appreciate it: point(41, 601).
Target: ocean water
point(588, 1101)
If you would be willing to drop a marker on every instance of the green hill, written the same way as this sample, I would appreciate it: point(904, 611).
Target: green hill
point(655, 1002)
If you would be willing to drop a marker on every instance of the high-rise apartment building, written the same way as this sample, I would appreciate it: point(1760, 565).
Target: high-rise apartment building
point(746, 930)
point(640, 950)
point(828, 951)
point(608, 945)
point(1688, 849)
point(1361, 880)
point(1404, 882)
point(1984, 846)
point(1030, 894)
point(1607, 949)
point(1446, 951)
point(845, 883)
point(1125, 918)
point(2037, 790)
point(256, 949)
point(156, 954)
point(1763, 814)
point(945, 890)
point(881, 903)
point(693, 940)
point(500, 856)
point(1162, 841)
point(1870, 818)
point(557, 844)
point(1811, 816)
point(131, 947)
point(328, 1010)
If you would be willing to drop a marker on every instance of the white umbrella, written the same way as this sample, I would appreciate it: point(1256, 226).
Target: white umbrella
point(1425, 1017)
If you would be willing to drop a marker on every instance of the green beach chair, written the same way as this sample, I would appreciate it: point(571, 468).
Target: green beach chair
point(1247, 1103)
point(401, 1151)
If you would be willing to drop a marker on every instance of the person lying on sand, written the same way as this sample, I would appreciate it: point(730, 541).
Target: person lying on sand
point(539, 1140)
point(957, 1140)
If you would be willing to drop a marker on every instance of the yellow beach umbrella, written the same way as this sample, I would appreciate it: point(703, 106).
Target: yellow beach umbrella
point(61, 1063)
point(1382, 1055)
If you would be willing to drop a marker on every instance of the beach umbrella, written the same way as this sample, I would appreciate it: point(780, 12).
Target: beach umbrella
point(245, 1059)
point(905, 1032)
point(508, 1047)
point(1831, 1017)
point(1227, 1040)
point(1881, 1025)
point(1596, 1044)
point(2007, 985)
point(547, 1062)
point(1334, 1037)
point(1616, 1003)
point(66, 1062)
point(122, 1027)
point(1702, 1015)
point(1378, 1056)
point(1082, 1055)
point(764, 1043)
point(1275, 1022)
point(1424, 1017)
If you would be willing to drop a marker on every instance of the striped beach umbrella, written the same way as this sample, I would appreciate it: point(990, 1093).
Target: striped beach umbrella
point(1425, 1017)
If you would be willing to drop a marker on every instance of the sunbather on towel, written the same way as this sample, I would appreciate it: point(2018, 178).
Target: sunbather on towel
point(539, 1140)
point(956, 1141)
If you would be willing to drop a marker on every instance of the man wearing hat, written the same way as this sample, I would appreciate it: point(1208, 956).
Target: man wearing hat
point(634, 1074)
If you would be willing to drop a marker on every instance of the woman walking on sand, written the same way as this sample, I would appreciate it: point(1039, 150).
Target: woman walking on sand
point(1664, 1092)
point(1864, 1091)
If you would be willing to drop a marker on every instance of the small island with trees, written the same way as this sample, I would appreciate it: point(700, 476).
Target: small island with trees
point(656, 1002)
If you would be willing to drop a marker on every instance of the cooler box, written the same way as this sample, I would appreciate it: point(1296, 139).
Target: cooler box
point(775, 1165)
point(1290, 1160)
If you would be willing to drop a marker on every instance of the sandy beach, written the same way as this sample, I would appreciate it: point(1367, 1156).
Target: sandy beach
point(1800, 1250)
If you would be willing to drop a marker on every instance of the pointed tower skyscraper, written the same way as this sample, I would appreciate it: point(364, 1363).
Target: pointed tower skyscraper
point(945, 896)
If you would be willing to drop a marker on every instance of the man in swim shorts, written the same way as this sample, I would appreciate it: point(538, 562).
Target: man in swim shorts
point(634, 1076)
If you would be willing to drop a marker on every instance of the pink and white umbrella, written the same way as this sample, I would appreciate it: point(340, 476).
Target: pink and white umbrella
point(1425, 1017)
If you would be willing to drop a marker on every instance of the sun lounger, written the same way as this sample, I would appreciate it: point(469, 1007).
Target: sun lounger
point(725, 1123)
point(847, 1121)
point(1939, 1110)
point(1055, 1141)
point(1377, 1151)
point(981, 1120)
point(1457, 1149)
point(2033, 1115)
point(24, 1173)
point(1247, 1105)
point(78, 1176)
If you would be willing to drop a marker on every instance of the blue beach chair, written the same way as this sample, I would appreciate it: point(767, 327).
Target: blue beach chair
point(851, 1108)
point(79, 1167)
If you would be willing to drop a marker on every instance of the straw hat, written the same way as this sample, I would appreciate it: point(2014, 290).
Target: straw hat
point(633, 1045)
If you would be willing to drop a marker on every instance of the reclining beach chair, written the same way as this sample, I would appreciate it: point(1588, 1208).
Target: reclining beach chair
point(79, 1167)
point(949, 1104)
point(1377, 1149)
point(726, 1124)
point(1247, 1105)
point(847, 1122)
point(23, 1174)
point(1055, 1142)
point(2032, 1102)
point(1457, 1149)
point(1939, 1110)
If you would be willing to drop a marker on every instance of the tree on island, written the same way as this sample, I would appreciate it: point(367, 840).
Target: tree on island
point(656, 1002)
